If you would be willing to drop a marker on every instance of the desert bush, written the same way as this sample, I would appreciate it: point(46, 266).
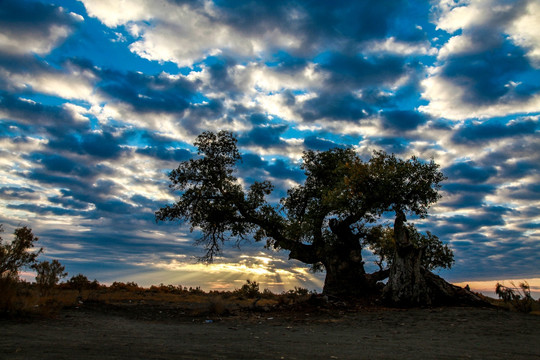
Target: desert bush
point(196, 290)
point(249, 290)
point(129, 286)
point(48, 274)
point(167, 289)
point(518, 298)
point(78, 282)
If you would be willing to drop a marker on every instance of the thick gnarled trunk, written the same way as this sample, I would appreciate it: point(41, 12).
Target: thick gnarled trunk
point(409, 284)
point(406, 284)
point(345, 274)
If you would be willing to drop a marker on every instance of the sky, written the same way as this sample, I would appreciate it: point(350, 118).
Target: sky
point(100, 99)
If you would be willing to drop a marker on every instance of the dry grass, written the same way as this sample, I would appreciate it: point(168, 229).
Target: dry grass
point(21, 298)
point(24, 299)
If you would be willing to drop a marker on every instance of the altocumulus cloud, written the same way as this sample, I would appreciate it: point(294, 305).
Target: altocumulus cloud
point(100, 99)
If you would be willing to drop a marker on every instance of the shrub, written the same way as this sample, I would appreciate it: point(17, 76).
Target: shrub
point(129, 286)
point(518, 298)
point(249, 290)
point(48, 275)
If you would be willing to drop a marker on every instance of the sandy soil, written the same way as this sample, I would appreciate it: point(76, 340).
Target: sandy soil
point(103, 332)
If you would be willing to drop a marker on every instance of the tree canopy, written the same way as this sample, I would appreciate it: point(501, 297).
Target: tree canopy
point(325, 222)
point(18, 253)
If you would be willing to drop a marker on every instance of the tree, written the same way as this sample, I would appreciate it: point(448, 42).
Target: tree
point(48, 274)
point(18, 253)
point(324, 222)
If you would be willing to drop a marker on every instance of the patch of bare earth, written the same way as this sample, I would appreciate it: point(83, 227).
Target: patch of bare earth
point(165, 331)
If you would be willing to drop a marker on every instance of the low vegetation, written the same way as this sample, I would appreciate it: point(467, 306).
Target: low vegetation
point(28, 299)
point(518, 298)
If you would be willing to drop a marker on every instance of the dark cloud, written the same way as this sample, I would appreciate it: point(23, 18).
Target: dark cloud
point(18, 193)
point(392, 145)
point(284, 62)
point(466, 195)
point(354, 72)
point(470, 171)
point(315, 23)
point(46, 178)
point(529, 192)
point(162, 153)
point(32, 21)
point(282, 170)
point(263, 136)
point(486, 77)
point(101, 145)
point(335, 107)
point(250, 161)
point(68, 202)
point(61, 164)
point(402, 120)
point(473, 132)
point(45, 120)
point(44, 210)
point(148, 93)
point(464, 226)
point(220, 78)
point(320, 144)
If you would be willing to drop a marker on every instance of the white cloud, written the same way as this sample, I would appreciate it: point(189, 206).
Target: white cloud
point(461, 17)
point(484, 25)
point(392, 46)
point(64, 85)
point(114, 13)
point(183, 34)
point(446, 99)
point(460, 44)
point(524, 31)
point(23, 43)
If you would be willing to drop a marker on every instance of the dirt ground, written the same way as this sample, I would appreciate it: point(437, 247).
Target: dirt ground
point(98, 332)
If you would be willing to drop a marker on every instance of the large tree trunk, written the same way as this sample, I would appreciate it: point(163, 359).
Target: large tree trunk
point(345, 274)
point(409, 284)
point(406, 283)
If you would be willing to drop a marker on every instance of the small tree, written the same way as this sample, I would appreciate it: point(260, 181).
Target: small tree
point(48, 274)
point(18, 253)
point(79, 282)
point(250, 289)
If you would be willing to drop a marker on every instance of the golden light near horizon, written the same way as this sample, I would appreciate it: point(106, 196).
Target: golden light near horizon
point(488, 287)
point(271, 273)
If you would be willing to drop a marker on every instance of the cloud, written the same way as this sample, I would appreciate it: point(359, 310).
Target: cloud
point(482, 72)
point(470, 172)
point(402, 120)
point(491, 130)
point(33, 27)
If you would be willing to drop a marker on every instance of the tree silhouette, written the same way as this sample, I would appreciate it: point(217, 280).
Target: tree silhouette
point(325, 222)
point(48, 274)
point(18, 253)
